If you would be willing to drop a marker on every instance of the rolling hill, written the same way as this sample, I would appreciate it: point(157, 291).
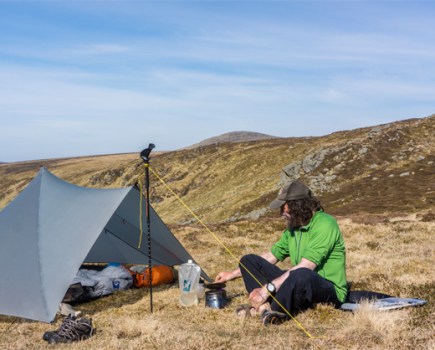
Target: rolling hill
point(234, 136)
point(384, 170)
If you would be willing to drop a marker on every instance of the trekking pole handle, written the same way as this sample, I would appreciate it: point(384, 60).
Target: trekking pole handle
point(145, 154)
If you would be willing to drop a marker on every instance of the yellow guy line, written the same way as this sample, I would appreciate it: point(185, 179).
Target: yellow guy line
point(230, 253)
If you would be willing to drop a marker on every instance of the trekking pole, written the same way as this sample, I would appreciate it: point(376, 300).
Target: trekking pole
point(145, 155)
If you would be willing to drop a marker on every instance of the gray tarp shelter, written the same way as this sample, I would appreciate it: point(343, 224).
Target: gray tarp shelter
point(52, 227)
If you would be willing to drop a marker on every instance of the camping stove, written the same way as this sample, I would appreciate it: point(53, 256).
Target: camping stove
point(216, 296)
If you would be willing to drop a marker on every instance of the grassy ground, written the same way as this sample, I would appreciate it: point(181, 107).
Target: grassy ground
point(385, 169)
point(393, 256)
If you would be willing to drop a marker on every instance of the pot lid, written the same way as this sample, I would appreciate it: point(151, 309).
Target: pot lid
point(217, 285)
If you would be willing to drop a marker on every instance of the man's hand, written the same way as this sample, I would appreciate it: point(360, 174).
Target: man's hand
point(224, 276)
point(258, 297)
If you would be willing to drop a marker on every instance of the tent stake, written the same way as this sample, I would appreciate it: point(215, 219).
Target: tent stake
point(145, 155)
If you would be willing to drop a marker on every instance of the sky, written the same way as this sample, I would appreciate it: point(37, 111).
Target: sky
point(100, 77)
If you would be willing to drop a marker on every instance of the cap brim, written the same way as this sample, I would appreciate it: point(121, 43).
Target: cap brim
point(276, 204)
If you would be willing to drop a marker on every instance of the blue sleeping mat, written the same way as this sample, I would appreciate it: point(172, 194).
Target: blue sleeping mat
point(378, 301)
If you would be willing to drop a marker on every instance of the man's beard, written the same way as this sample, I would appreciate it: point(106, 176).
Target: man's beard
point(292, 222)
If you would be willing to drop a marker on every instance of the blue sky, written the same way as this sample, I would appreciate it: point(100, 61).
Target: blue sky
point(98, 77)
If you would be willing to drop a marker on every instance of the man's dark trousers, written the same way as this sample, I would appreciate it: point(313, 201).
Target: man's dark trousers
point(300, 291)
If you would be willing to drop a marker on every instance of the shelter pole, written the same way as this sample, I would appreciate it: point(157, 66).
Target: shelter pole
point(145, 155)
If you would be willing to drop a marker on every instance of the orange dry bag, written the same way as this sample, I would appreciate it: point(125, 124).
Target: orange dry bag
point(160, 274)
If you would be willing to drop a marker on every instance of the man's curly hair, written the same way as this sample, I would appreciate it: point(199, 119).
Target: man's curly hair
point(301, 211)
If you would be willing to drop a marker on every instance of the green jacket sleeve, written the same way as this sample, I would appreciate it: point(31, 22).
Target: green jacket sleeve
point(281, 248)
point(321, 242)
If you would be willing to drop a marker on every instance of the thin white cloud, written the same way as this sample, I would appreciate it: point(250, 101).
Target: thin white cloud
point(177, 74)
point(97, 49)
point(61, 124)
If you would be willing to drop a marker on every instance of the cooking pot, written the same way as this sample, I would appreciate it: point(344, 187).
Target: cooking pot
point(216, 298)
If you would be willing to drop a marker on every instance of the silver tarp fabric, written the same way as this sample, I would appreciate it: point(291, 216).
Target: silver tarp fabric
point(52, 227)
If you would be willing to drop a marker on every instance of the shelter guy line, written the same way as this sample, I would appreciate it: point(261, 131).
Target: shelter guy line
point(230, 253)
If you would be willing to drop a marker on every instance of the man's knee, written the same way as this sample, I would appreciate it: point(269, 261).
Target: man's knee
point(248, 259)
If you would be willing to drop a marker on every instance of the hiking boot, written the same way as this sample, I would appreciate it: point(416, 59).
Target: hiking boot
point(72, 329)
point(47, 335)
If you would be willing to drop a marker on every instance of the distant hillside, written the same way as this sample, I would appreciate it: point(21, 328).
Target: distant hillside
point(234, 136)
point(386, 169)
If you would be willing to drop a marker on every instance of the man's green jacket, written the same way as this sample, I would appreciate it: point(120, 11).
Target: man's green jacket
point(320, 242)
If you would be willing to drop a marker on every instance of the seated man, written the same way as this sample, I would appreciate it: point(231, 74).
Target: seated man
point(314, 243)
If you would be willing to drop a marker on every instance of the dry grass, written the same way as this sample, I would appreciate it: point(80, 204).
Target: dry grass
point(378, 171)
point(394, 256)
